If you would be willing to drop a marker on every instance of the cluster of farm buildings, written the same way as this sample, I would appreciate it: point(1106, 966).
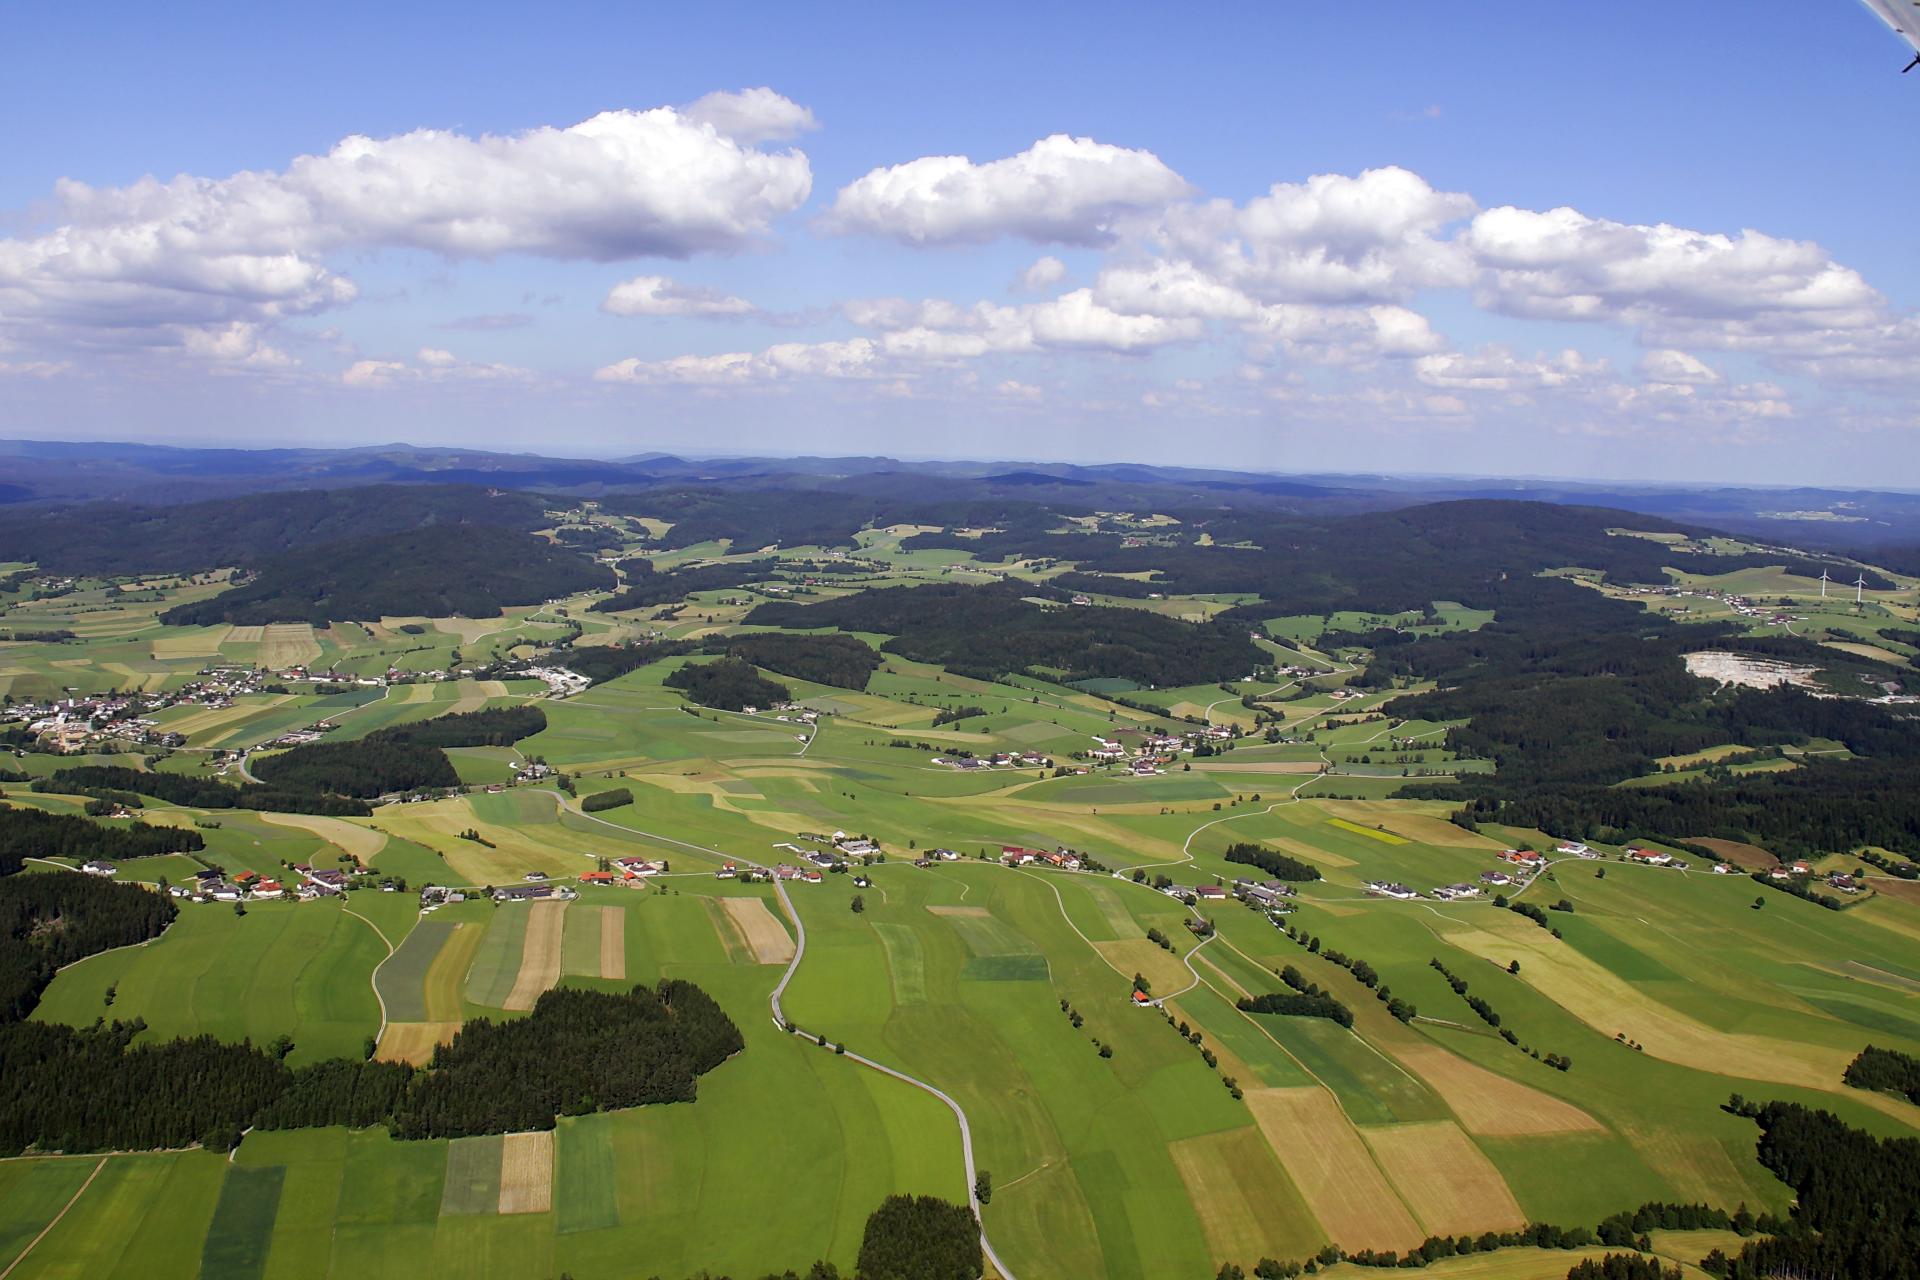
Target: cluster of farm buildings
point(305, 882)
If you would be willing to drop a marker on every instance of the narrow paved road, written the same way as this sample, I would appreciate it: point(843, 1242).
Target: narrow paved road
point(780, 1018)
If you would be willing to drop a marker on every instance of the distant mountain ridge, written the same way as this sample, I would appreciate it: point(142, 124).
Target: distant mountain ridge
point(41, 473)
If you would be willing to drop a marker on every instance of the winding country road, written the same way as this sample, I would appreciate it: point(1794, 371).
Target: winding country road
point(780, 1018)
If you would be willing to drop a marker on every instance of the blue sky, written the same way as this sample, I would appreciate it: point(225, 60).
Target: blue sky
point(1487, 238)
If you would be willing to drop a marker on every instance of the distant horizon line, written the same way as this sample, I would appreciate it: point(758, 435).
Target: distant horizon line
point(634, 459)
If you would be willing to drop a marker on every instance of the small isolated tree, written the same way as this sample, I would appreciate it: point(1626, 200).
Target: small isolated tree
point(1513, 966)
point(859, 903)
point(983, 1186)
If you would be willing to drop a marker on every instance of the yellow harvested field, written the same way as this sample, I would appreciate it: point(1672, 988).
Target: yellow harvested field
point(414, 1042)
point(1371, 833)
point(417, 693)
point(761, 933)
point(958, 911)
point(1487, 1102)
point(1451, 1186)
point(362, 842)
point(245, 635)
point(1610, 1004)
point(1504, 1264)
point(471, 629)
point(1137, 955)
point(1748, 857)
point(1321, 1151)
point(539, 956)
point(1873, 651)
point(526, 1173)
point(1237, 1189)
point(613, 943)
point(1266, 766)
point(446, 980)
point(517, 849)
point(207, 719)
point(198, 644)
point(1301, 849)
point(288, 644)
point(147, 681)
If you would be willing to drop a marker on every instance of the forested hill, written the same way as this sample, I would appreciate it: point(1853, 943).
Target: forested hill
point(989, 631)
point(118, 538)
point(441, 570)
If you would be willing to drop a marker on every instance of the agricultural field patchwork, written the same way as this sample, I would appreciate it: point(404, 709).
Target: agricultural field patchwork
point(1149, 1088)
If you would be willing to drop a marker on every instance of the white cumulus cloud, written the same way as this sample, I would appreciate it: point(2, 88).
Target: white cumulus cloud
point(659, 296)
point(1061, 190)
point(156, 258)
point(752, 115)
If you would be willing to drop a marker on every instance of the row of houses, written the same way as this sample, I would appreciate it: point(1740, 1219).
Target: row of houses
point(1014, 855)
point(998, 760)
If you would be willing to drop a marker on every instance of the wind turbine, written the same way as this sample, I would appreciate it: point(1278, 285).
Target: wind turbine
point(1823, 584)
point(1859, 585)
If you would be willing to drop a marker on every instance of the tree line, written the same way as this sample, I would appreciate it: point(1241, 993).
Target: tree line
point(1857, 1199)
point(471, 571)
point(727, 684)
point(1887, 1070)
point(94, 1089)
point(1278, 865)
point(989, 631)
point(600, 662)
point(200, 793)
point(35, 833)
point(47, 921)
point(648, 587)
point(845, 662)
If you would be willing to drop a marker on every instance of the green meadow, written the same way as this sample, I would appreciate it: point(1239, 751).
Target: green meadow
point(1118, 1143)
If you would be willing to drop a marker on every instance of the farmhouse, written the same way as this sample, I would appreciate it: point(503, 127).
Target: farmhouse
point(1495, 878)
point(1210, 893)
point(1454, 892)
point(1572, 848)
point(1723, 868)
point(527, 893)
point(727, 871)
point(1651, 857)
point(98, 868)
point(1389, 889)
point(326, 880)
point(596, 877)
point(1525, 857)
point(1016, 856)
point(1264, 893)
point(640, 866)
point(1844, 883)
